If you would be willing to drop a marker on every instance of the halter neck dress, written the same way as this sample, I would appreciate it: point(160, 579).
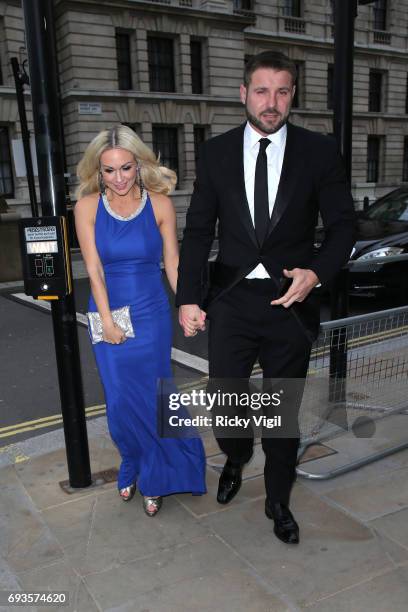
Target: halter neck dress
point(130, 249)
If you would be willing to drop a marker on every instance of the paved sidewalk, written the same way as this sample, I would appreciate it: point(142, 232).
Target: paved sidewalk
point(195, 554)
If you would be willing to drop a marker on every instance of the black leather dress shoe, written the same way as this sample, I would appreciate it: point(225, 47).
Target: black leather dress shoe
point(230, 482)
point(286, 528)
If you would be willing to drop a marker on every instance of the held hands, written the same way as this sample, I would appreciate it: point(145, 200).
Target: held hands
point(113, 334)
point(191, 319)
point(303, 281)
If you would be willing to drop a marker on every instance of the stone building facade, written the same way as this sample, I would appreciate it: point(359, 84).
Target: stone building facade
point(172, 68)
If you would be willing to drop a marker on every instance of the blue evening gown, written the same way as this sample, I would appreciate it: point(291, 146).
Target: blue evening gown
point(130, 250)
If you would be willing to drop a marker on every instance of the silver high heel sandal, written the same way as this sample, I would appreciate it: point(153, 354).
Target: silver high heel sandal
point(127, 492)
point(151, 505)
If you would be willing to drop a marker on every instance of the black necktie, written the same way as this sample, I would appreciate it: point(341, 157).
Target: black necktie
point(261, 200)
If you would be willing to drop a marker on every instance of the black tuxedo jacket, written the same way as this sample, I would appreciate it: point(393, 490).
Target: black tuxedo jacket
point(312, 181)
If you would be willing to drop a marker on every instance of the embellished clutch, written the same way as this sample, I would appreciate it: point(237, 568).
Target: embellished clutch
point(120, 316)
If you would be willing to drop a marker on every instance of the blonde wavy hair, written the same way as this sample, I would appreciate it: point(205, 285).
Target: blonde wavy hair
point(154, 176)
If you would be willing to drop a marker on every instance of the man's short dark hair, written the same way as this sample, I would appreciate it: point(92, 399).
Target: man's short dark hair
point(269, 59)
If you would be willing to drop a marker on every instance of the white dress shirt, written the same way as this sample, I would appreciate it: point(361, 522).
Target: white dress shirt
point(274, 153)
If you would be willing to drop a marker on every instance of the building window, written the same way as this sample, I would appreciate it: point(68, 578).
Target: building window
point(375, 91)
point(373, 159)
point(161, 63)
point(6, 173)
point(405, 161)
point(165, 144)
point(297, 99)
point(331, 11)
point(196, 66)
point(292, 8)
point(243, 5)
point(380, 15)
point(3, 53)
point(200, 136)
point(330, 85)
point(123, 59)
point(136, 127)
point(406, 96)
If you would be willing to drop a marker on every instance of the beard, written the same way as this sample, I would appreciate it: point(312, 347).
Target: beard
point(264, 127)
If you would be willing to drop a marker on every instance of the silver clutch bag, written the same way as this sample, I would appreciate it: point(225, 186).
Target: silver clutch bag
point(121, 316)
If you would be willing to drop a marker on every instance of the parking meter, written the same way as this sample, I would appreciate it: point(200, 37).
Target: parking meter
point(44, 253)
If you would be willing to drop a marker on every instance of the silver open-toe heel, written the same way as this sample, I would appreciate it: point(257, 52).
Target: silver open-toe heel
point(127, 492)
point(151, 505)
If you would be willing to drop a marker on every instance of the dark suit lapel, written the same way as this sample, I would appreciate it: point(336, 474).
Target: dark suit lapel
point(291, 168)
point(237, 180)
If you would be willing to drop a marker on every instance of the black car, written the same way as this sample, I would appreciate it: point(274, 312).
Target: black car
point(379, 260)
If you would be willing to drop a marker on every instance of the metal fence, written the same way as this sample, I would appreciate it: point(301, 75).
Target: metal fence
point(358, 377)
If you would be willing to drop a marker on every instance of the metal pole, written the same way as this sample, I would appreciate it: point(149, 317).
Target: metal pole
point(339, 341)
point(20, 78)
point(40, 39)
point(345, 12)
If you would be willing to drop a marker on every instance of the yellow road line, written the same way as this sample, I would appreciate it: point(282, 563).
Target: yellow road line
point(56, 419)
point(351, 343)
point(356, 342)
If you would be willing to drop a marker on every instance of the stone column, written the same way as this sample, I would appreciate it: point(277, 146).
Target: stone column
point(184, 66)
point(189, 153)
point(142, 63)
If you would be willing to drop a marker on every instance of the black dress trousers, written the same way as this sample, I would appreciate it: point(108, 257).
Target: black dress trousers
point(244, 327)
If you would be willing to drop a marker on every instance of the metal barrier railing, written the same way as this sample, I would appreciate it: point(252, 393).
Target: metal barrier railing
point(358, 374)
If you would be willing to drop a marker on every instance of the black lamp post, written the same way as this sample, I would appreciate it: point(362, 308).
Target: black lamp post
point(41, 48)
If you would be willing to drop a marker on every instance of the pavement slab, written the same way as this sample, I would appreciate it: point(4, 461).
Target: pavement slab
point(199, 507)
point(386, 494)
point(56, 578)
point(393, 526)
point(40, 475)
point(104, 454)
point(25, 539)
point(336, 551)
point(382, 593)
point(205, 576)
point(8, 578)
point(111, 532)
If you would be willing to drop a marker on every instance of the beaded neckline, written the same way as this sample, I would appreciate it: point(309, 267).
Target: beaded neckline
point(130, 217)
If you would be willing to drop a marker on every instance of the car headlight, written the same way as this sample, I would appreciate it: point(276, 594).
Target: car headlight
point(383, 252)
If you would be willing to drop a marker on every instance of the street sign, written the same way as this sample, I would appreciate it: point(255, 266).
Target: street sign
point(90, 108)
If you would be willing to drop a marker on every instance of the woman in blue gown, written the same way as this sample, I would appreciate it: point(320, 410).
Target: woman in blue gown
point(125, 222)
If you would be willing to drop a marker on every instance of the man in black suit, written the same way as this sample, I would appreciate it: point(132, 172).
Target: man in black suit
point(265, 182)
